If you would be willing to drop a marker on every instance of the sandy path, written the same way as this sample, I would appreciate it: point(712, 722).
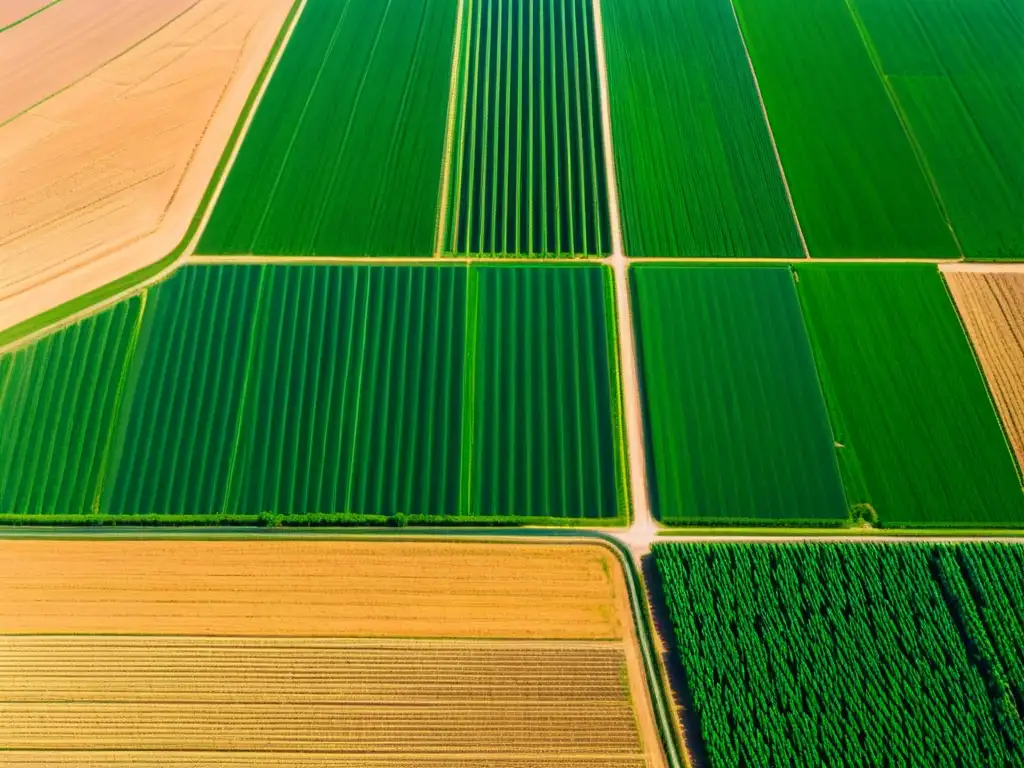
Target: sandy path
point(54, 49)
point(116, 163)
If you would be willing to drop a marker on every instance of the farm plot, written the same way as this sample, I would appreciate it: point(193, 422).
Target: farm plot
point(992, 308)
point(319, 389)
point(295, 390)
point(344, 154)
point(59, 400)
point(294, 652)
point(828, 654)
point(119, 113)
point(527, 176)
point(542, 394)
point(919, 440)
point(857, 184)
point(734, 415)
point(696, 172)
point(957, 72)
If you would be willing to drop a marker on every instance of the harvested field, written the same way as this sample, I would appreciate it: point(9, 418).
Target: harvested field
point(310, 588)
point(992, 308)
point(277, 652)
point(14, 12)
point(103, 177)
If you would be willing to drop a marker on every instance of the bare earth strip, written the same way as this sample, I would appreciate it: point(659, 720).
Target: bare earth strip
point(269, 652)
point(992, 307)
point(104, 178)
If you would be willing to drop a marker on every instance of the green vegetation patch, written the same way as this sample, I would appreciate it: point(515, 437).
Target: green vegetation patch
point(857, 184)
point(527, 175)
point(320, 393)
point(734, 416)
point(543, 392)
point(696, 172)
point(957, 72)
point(344, 154)
point(919, 440)
point(59, 399)
point(848, 654)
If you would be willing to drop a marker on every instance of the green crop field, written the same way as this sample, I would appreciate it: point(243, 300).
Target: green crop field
point(857, 184)
point(957, 71)
point(57, 401)
point(344, 154)
point(848, 654)
point(696, 172)
point(366, 390)
point(734, 416)
point(543, 388)
point(920, 439)
point(528, 175)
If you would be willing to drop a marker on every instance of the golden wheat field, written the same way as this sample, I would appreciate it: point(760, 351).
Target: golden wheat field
point(301, 653)
point(992, 307)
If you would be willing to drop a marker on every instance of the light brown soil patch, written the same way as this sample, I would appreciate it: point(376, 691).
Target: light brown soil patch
point(50, 51)
point(215, 653)
point(992, 308)
point(13, 10)
point(103, 178)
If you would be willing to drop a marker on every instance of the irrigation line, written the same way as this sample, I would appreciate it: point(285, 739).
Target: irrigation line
point(771, 133)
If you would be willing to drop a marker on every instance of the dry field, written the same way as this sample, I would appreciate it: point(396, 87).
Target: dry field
point(113, 117)
point(992, 307)
point(301, 653)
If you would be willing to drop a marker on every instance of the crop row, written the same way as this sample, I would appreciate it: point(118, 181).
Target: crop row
point(344, 153)
point(850, 654)
point(371, 390)
point(528, 174)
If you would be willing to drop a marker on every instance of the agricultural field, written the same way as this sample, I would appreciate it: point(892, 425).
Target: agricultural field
point(829, 654)
point(527, 175)
point(696, 172)
point(295, 652)
point(918, 438)
point(362, 390)
point(858, 186)
point(735, 420)
point(957, 73)
point(58, 399)
point(992, 307)
point(344, 154)
point(113, 118)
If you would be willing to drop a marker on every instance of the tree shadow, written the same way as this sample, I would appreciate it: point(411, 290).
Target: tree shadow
point(688, 716)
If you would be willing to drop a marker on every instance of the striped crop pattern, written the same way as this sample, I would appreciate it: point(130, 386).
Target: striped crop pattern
point(528, 165)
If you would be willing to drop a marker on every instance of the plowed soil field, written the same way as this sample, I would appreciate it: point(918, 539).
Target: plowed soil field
point(297, 653)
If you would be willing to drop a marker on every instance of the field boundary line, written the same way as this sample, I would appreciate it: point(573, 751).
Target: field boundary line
point(771, 133)
point(147, 276)
point(922, 161)
point(441, 220)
